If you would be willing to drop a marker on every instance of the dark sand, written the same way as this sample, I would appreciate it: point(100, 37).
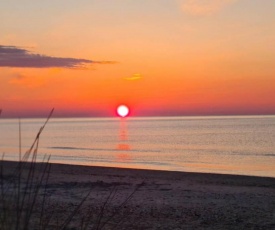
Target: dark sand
point(164, 200)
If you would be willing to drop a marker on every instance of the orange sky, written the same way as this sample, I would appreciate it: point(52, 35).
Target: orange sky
point(181, 57)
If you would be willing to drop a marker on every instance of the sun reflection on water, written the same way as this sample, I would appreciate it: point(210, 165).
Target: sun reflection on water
point(123, 147)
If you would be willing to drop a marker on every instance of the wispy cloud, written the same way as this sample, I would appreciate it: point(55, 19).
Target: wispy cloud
point(26, 81)
point(12, 56)
point(204, 7)
point(134, 77)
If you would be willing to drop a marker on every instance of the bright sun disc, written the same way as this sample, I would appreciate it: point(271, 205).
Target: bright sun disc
point(122, 110)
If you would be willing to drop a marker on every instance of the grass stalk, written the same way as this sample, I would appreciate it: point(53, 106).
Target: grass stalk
point(20, 205)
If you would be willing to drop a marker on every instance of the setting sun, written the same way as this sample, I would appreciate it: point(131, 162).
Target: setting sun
point(122, 110)
point(171, 102)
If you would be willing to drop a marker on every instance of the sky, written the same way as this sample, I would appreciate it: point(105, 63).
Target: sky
point(159, 57)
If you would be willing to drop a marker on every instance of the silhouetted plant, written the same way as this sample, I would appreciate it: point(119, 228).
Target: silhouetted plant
point(21, 205)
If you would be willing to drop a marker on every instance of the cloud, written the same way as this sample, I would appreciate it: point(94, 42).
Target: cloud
point(135, 77)
point(204, 7)
point(12, 56)
point(26, 81)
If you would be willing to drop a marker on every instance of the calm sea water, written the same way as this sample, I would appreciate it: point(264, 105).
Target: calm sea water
point(232, 145)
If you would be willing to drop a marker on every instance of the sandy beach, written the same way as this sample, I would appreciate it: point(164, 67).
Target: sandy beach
point(157, 199)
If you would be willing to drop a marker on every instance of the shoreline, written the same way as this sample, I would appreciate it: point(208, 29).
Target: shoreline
point(164, 199)
point(166, 173)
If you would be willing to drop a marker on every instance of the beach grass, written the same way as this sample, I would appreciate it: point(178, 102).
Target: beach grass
point(25, 199)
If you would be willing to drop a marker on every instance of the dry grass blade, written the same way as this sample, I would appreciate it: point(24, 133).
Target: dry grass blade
point(70, 217)
point(27, 154)
point(3, 201)
point(19, 180)
point(101, 214)
point(121, 205)
point(47, 167)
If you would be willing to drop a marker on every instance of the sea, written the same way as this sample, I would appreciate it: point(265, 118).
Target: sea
point(242, 145)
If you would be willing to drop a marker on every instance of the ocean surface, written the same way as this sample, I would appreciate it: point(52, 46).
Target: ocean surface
point(243, 145)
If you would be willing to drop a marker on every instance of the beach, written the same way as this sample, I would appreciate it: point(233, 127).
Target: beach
point(149, 199)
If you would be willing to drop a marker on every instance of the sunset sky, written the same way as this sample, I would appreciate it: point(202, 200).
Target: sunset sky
point(159, 57)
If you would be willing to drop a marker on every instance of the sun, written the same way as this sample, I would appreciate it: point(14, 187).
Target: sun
point(122, 111)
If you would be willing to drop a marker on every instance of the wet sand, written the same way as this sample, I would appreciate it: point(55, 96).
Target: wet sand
point(160, 199)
